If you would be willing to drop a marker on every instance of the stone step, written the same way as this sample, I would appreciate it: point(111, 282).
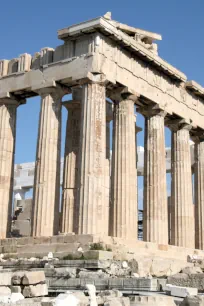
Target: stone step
point(123, 284)
point(69, 238)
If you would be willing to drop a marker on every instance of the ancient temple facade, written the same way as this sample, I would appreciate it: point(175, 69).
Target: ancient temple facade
point(112, 71)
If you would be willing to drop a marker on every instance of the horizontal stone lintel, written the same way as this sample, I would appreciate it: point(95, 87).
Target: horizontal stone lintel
point(78, 71)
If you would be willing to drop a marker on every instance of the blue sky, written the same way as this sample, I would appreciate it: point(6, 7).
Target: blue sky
point(27, 26)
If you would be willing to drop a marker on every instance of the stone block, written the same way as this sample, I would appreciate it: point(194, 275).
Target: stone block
point(185, 280)
point(67, 299)
point(46, 56)
point(64, 271)
point(161, 283)
point(17, 278)
point(193, 301)
point(191, 270)
point(156, 300)
point(70, 283)
point(42, 240)
point(5, 278)
point(116, 283)
point(98, 255)
point(3, 67)
point(92, 274)
point(34, 277)
point(101, 284)
point(5, 290)
point(144, 284)
point(25, 241)
point(9, 249)
point(35, 64)
point(8, 241)
point(59, 53)
point(181, 291)
point(15, 289)
point(35, 290)
point(23, 227)
point(111, 293)
point(24, 62)
point(163, 247)
point(13, 66)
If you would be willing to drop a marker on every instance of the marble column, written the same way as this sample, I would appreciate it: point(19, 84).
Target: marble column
point(199, 192)
point(8, 110)
point(109, 117)
point(182, 216)
point(155, 218)
point(137, 130)
point(45, 217)
point(69, 186)
point(91, 207)
point(123, 210)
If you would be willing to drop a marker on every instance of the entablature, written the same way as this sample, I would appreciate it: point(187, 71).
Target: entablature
point(105, 47)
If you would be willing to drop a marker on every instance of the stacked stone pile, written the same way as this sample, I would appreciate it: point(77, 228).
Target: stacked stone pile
point(188, 277)
point(29, 284)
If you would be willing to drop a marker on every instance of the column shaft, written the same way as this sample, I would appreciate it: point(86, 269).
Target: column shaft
point(199, 195)
point(47, 172)
point(7, 151)
point(155, 217)
point(182, 216)
point(92, 153)
point(123, 210)
point(70, 169)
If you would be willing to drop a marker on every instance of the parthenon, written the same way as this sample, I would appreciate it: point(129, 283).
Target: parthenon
point(113, 71)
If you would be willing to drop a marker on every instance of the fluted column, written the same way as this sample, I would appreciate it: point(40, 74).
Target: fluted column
point(109, 117)
point(182, 216)
point(137, 130)
point(45, 218)
point(92, 153)
point(69, 186)
point(199, 192)
point(7, 150)
point(155, 218)
point(123, 210)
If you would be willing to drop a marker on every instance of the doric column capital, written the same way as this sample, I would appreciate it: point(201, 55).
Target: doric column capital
point(71, 104)
point(75, 103)
point(198, 136)
point(91, 78)
point(123, 93)
point(9, 99)
point(57, 91)
point(152, 110)
point(178, 124)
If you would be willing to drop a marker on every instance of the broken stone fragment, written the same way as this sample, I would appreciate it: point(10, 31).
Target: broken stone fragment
point(17, 278)
point(69, 299)
point(193, 301)
point(179, 291)
point(191, 270)
point(34, 277)
point(35, 290)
